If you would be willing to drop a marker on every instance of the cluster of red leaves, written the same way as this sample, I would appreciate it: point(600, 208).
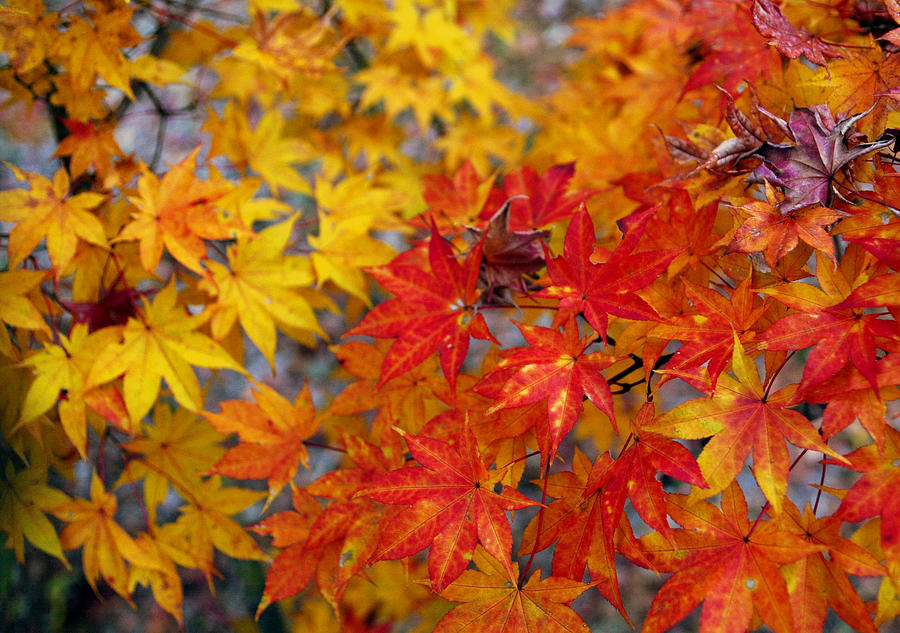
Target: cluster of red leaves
point(447, 501)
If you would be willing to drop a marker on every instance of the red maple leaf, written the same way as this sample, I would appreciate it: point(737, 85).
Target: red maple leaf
point(451, 506)
point(850, 396)
point(540, 200)
point(875, 494)
point(633, 474)
point(834, 322)
point(708, 336)
point(600, 290)
point(433, 311)
point(557, 367)
point(575, 523)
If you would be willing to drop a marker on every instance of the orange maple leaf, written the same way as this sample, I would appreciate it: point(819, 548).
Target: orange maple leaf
point(494, 601)
point(176, 213)
point(727, 563)
point(272, 432)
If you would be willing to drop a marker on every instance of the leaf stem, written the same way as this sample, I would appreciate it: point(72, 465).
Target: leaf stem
point(770, 380)
point(324, 446)
point(518, 459)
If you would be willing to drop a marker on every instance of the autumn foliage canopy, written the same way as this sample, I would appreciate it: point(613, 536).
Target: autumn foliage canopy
point(307, 283)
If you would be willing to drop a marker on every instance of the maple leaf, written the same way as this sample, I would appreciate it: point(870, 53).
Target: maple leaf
point(178, 448)
point(294, 566)
point(49, 211)
point(867, 227)
point(822, 147)
point(89, 144)
point(272, 434)
point(537, 201)
point(161, 343)
point(494, 601)
point(17, 308)
point(690, 232)
point(93, 49)
point(205, 525)
point(451, 507)
point(708, 337)
point(815, 582)
point(261, 287)
point(310, 535)
point(262, 149)
point(741, 416)
point(162, 577)
point(833, 320)
point(633, 474)
point(875, 494)
point(508, 255)
point(460, 200)
point(723, 561)
point(850, 396)
point(25, 497)
point(409, 396)
point(600, 290)
point(764, 227)
point(554, 366)
point(733, 50)
point(433, 311)
point(106, 545)
point(858, 82)
point(343, 248)
point(177, 213)
point(575, 521)
point(790, 41)
point(60, 378)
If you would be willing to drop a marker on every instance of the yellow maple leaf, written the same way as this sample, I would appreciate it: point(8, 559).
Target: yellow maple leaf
point(93, 49)
point(262, 150)
point(27, 33)
point(59, 379)
point(178, 447)
point(260, 287)
point(290, 45)
point(205, 525)
point(426, 96)
point(433, 34)
point(162, 578)
point(47, 211)
point(343, 247)
point(24, 498)
point(16, 308)
point(161, 343)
